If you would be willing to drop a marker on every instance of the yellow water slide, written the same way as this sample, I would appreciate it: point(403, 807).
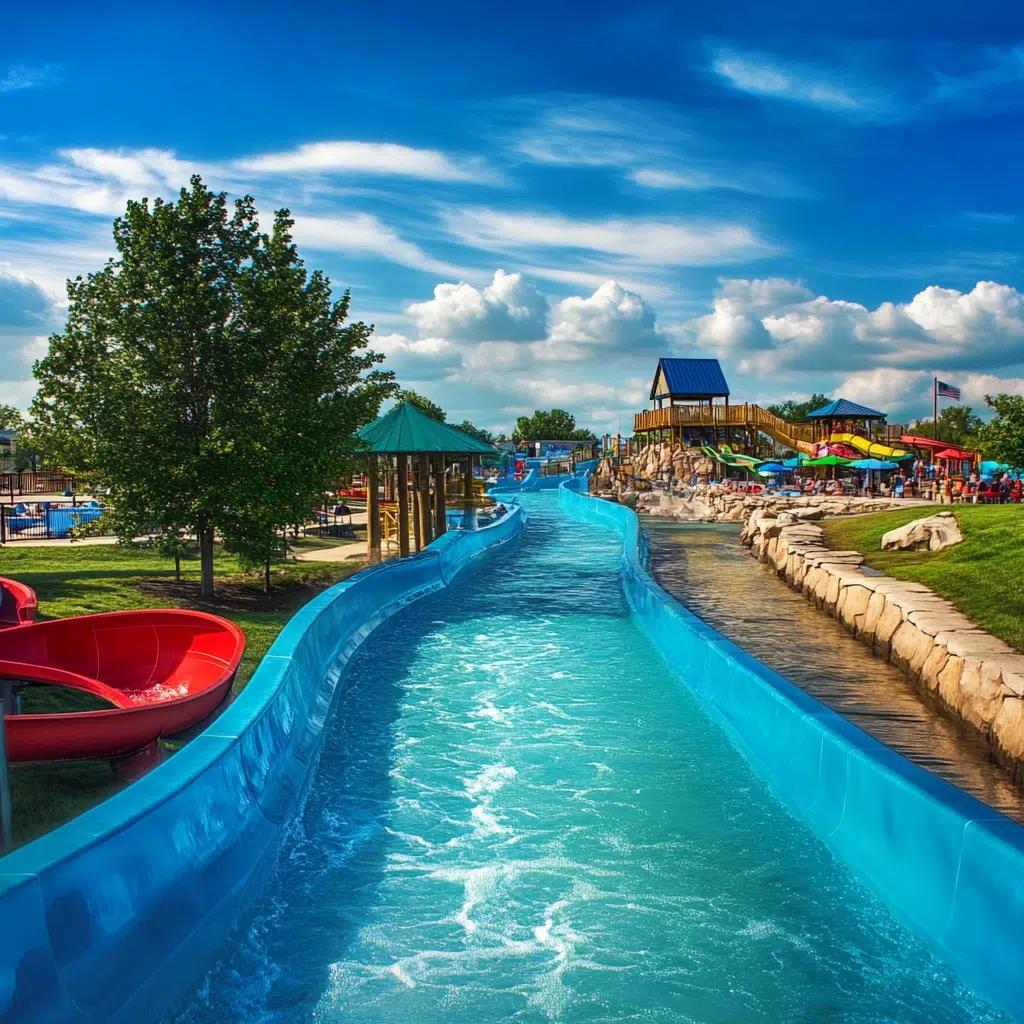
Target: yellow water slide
point(870, 449)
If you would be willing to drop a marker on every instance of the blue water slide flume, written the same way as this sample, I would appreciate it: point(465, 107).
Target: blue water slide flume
point(112, 916)
point(946, 865)
point(120, 911)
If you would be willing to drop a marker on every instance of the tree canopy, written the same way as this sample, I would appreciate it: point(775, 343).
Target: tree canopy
point(797, 412)
point(208, 379)
point(11, 418)
point(555, 425)
point(422, 403)
point(478, 432)
point(958, 425)
point(1002, 437)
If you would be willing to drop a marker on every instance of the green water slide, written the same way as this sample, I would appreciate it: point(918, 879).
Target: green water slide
point(728, 457)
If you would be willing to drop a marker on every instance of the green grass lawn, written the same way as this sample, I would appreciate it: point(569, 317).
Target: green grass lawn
point(100, 578)
point(983, 576)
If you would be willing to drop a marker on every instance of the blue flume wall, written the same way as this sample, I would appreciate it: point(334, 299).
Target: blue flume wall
point(510, 485)
point(113, 916)
point(946, 865)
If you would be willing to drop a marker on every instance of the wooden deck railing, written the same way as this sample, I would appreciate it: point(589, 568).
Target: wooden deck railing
point(746, 415)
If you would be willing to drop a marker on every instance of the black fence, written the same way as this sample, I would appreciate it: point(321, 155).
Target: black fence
point(333, 521)
point(50, 520)
point(29, 481)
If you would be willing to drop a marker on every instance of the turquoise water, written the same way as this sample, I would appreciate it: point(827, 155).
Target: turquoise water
point(520, 815)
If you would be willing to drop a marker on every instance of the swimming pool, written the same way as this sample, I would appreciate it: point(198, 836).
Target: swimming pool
point(521, 814)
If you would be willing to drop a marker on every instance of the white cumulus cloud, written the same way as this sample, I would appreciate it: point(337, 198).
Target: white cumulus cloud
point(510, 308)
point(776, 325)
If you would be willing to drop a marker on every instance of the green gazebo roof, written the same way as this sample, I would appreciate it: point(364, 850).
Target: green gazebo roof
point(407, 429)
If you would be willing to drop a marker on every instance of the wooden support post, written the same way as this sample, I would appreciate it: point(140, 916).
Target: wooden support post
point(372, 514)
point(423, 501)
point(468, 498)
point(417, 522)
point(440, 505)
point(403, 505)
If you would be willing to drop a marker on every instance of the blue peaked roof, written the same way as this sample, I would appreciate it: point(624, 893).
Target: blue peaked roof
point(843, 407)
point(692, 378)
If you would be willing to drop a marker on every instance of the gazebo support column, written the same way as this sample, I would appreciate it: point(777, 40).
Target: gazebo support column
point(440, 505)
point(469, 515)
point(403, 505)
point(423, 501)
point(372, 514)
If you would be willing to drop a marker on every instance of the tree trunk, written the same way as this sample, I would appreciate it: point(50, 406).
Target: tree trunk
point(266, 576)
point(177, 566)
point(205, 559)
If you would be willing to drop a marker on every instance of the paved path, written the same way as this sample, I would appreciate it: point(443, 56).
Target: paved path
point(353, 549)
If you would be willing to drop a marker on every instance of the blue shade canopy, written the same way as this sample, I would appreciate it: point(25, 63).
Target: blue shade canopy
point(767, 468)
point(844, 407)
point(691, 378)
point(795, 462)
point(872, 464)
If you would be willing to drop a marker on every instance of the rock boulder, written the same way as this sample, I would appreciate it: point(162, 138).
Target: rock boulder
point(933, 533)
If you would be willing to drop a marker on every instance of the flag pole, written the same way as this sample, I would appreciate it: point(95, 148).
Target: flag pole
point(935, 408)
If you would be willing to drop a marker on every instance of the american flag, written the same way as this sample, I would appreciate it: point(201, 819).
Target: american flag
point(947, 390)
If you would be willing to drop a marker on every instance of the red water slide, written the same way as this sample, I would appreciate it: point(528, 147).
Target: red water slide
point(17, 603)
point(161, 670)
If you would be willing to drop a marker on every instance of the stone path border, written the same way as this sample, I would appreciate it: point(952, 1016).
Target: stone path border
point(977, 678)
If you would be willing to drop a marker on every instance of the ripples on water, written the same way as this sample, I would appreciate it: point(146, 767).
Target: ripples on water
point(520, 815)
point(705, 567)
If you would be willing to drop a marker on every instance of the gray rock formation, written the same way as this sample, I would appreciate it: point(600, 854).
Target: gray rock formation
point(932, 533)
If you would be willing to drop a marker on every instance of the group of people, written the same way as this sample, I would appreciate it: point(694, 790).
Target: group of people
point(1000, 490)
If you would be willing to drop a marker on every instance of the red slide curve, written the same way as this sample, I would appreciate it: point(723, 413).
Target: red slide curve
point(161, 670)
point(17, 603)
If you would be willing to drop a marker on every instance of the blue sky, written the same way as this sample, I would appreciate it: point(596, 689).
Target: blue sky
point(532, 205)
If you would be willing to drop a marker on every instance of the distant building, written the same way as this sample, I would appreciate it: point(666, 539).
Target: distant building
point(8, 446)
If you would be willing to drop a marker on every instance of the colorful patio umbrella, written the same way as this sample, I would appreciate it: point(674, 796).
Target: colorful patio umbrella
point(829, 460)
point(770, 468)
point(872, 464)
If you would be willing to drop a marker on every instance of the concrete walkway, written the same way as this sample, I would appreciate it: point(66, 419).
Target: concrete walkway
point(353, 549)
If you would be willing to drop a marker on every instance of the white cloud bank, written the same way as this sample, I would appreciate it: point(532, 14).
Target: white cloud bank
point(777, 339)
point(775, 325)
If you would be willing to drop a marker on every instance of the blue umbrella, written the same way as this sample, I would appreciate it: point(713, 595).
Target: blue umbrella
point(872, 464)
point(770, 468)
point(795, 463)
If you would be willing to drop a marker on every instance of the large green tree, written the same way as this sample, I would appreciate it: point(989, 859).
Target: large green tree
point(207, 378)
point(958, 425)
point(422, 403)
point(797, 412)
point(478, 432)
point(554, 425)
point(11, 418)
point(1002, 438)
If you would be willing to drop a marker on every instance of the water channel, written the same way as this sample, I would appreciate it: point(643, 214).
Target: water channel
point(520, 815)
point(707, 570)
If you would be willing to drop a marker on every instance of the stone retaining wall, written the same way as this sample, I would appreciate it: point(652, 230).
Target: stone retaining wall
point(717, 504)
point(975, 676)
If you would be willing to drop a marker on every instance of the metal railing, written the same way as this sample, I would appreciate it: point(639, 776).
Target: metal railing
point(50, 520)
point(29, 481)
